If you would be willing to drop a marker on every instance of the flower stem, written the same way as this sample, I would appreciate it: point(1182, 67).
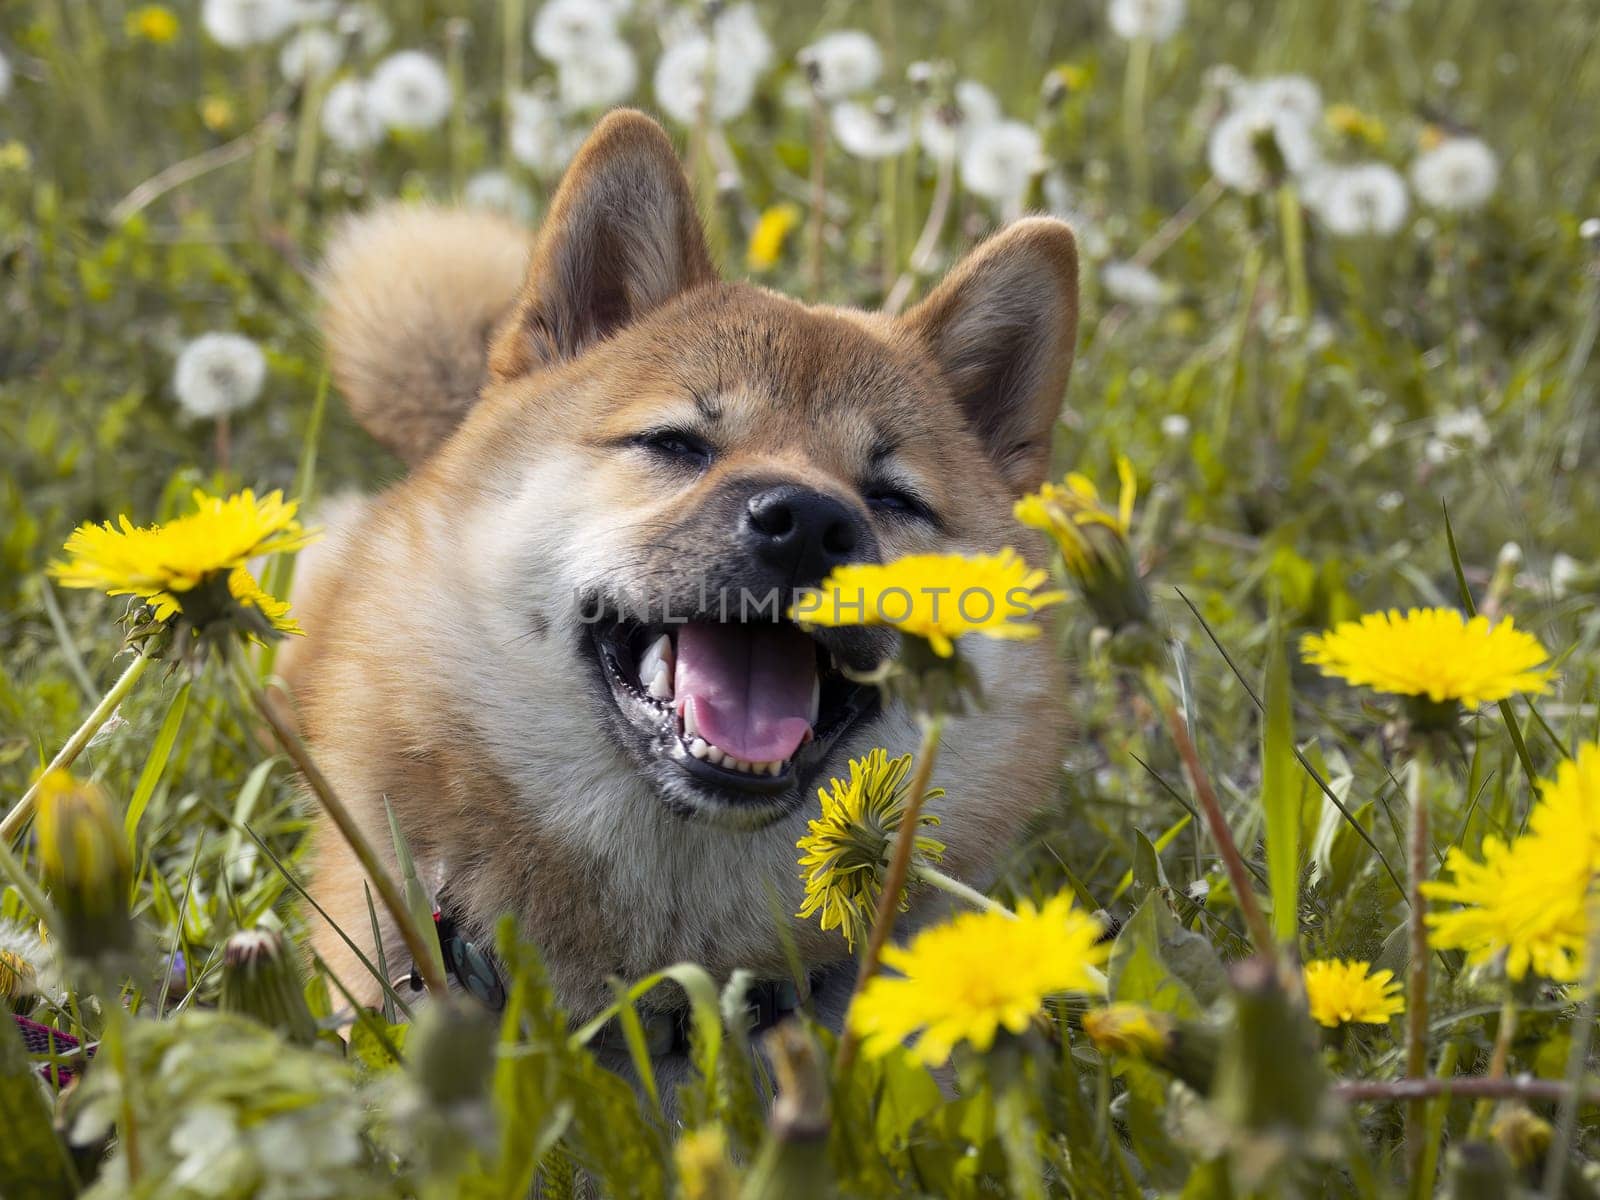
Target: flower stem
point(1417, 969)
point(894, 880)
point(17, 818)
point(934, 877)
point(1497, 1061)
point(1134, 85)
point(1292, 220)
point(1211, 809)
point(819, 195)
point(424, 959)
point(927, 241)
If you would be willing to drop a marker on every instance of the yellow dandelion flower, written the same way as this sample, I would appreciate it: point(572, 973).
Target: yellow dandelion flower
point(1526, 901)
point(1341, 992)
point(244, 588)
point(160, 563)
point(1093, 538)
point(964, 981)
point(1434, 653)
point(1350, 121)
point(772, 230)
point(847, 850)
point(217, 113)
point(1129, 1029)
point(1568, 809)
point(14, 156)
point(937, 597)
point(153, 23)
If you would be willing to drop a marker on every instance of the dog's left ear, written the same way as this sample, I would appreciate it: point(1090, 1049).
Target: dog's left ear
point(622, 237)
point(1002, 327)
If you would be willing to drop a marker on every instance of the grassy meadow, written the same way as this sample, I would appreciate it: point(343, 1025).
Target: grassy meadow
point(1340, 293)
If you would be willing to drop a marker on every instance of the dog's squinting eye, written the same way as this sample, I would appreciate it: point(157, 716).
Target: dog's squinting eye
point(678, 447)
point(895, 502)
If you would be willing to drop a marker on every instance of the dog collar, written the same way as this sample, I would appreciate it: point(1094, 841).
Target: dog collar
point(477, 972)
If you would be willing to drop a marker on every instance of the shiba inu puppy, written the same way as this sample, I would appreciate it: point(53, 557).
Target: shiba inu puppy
point(533, 646)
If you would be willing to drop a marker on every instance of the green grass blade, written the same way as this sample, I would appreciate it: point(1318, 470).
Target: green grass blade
point(155, 763)
point(1280, 797)
point(1507, 713)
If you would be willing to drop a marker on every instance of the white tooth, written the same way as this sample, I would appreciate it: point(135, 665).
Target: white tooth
point(699, 748)
point(715, 754)
point(775, 768)
point(661, 686)
point(689, 726)
point(738, 764)
point(816, 700)
point(656, 659)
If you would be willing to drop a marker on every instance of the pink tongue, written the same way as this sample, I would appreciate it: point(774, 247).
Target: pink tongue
point(750, 686)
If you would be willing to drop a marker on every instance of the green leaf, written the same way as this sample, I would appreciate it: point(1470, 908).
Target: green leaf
point(33, 1163)
point(155, 762)
point(1281, 788)
point(1159, 964)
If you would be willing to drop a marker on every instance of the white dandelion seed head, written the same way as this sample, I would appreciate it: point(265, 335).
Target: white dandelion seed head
point(498, 192)
point(1465, 427)
point(348, 118)
point(1001, 160)
point(1510, 556)
point(218, 374)
point(1565, 572)
point(367, 24)
point(568, 30)
point(879, 130)
point(681, 79)
point(1296, 95)
point(606, 74)
point(538, 140)
point(1175, 426)
point(1365, 200)
point(841, 64)
point(1589, 229)
point(1237, 150)
point(947, 128)
point(410, 90)
point(1131, 284)
point(26, 944)
point(739, 35)
point(304, 12)
point(1157, 20)
point(310, 55)
point(1458, 175)
point(1380, 435)
point(236, 24)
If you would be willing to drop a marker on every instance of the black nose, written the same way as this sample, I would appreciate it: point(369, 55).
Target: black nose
point(802, 532)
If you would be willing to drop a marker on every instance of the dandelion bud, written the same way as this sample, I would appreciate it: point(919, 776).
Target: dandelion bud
point(1478, 1171)
point(1093, 539)
point(704, 1172)
point(260, 980)
point(451, 1053)
point(1522, 1134)
point(87, 868)
point(1186, 1050)
point(18, 982)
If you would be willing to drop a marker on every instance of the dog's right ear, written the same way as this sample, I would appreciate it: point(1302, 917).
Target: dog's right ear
point(622, 237)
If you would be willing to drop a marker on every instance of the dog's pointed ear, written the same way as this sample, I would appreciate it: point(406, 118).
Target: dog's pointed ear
point(1002, 327)
point(621, 238)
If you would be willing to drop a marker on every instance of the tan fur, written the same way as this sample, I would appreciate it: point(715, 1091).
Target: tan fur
point(442, 670)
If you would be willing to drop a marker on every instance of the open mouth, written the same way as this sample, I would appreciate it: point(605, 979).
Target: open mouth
point(749, 711)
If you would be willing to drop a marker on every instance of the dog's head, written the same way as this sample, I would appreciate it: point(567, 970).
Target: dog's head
point(661, 459)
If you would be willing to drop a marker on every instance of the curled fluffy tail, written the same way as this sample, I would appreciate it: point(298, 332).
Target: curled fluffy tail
point(411, 297)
